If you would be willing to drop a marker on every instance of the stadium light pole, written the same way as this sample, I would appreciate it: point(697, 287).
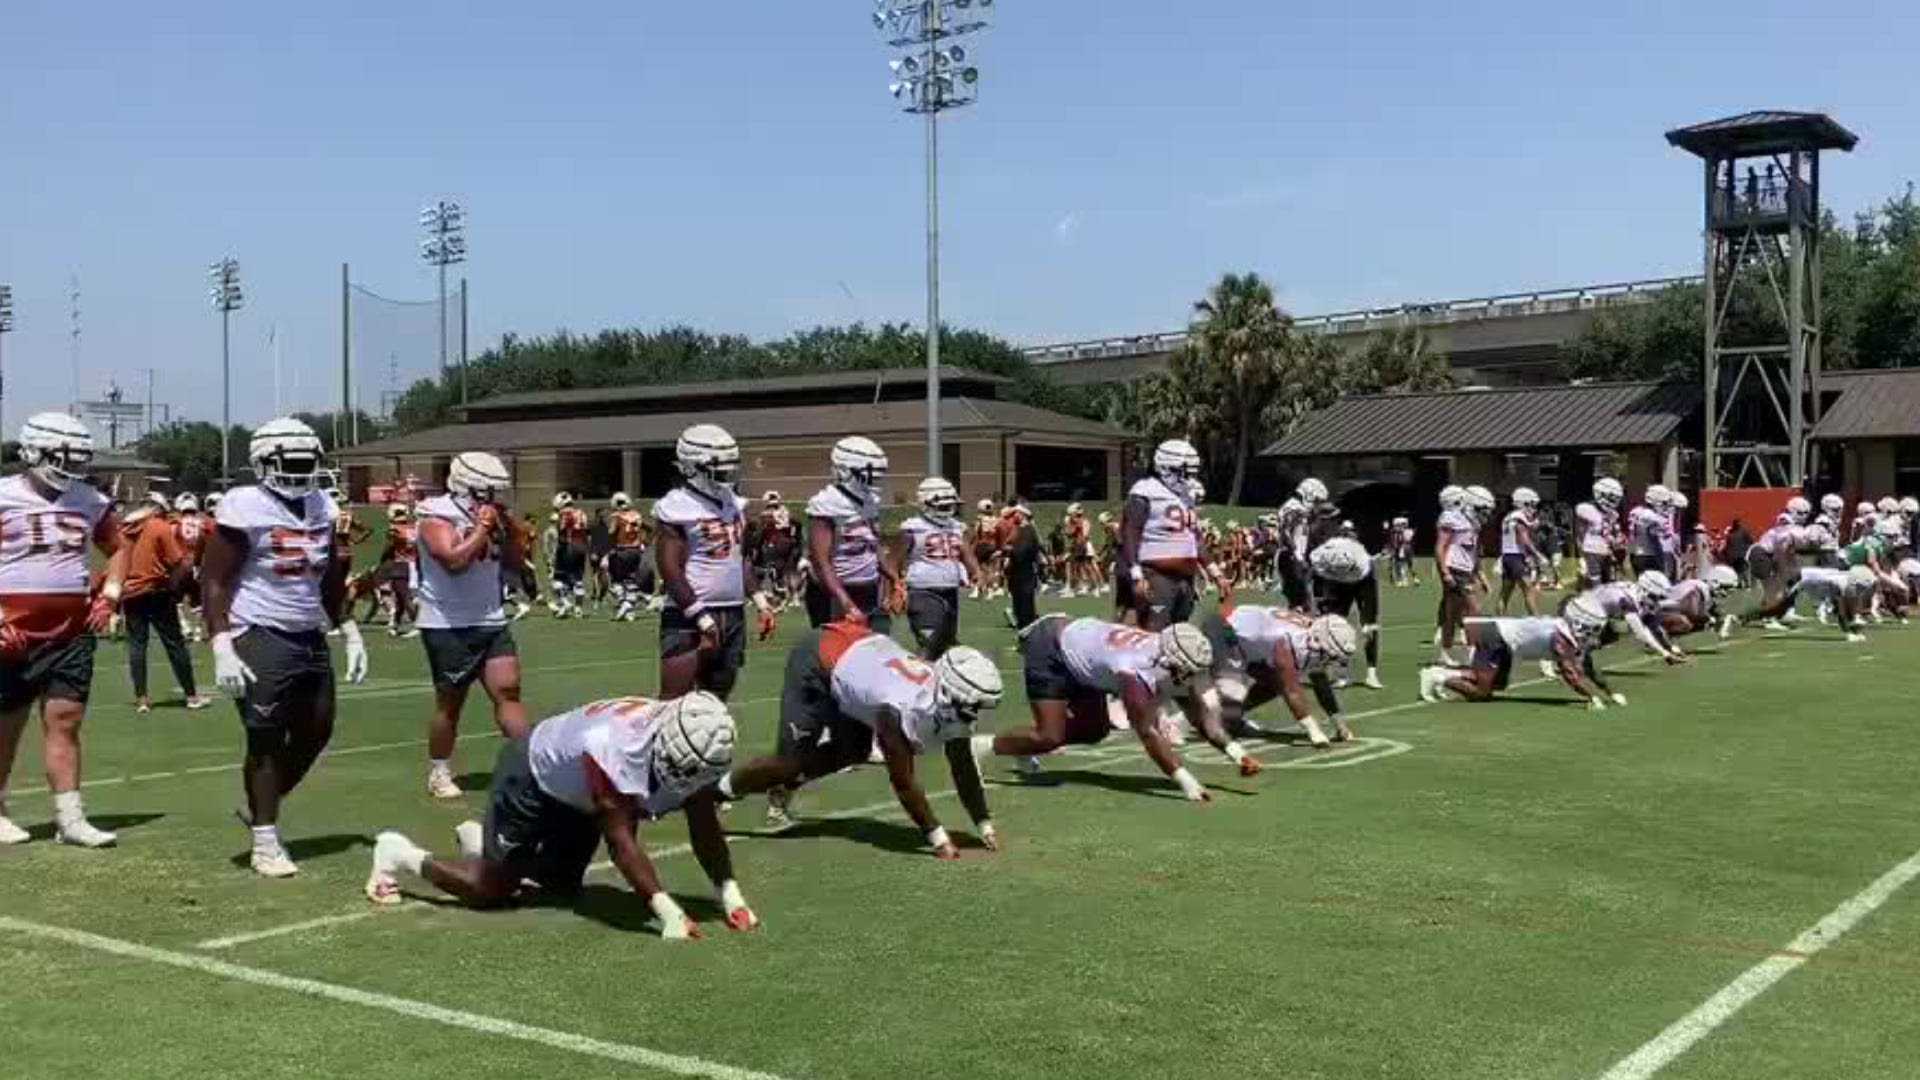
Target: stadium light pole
point(227, 299)
point(6, 327)
point(929, 77)
point(445, 244)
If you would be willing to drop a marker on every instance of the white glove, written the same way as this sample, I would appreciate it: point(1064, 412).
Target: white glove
point(674, 923)
point(230, 673)
point(356, 647)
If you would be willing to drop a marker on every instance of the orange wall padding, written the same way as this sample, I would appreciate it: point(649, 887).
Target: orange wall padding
point(1755, 507)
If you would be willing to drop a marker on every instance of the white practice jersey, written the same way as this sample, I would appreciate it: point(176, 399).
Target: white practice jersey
point(875, 674)
point(1691, 597)
point(1822, 583)
point(43, 542)
point(1618, 599)
point(715, 570)
point(1645, 529)
point(1774, 540)
point(1169, 530)
point(1102, 655)
point(612, 733)
point(1596, 528)
point(1535, 637)
point(856, 533)
point(933, 552)
point(449, 600)
point(288, 546)
point(1515, 533)
point(1262, 630)
point(1815, 538)
point(1462, 538)
point(1295, 522)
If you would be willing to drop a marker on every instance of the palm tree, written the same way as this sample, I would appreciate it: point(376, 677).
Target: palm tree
point(1244, 342)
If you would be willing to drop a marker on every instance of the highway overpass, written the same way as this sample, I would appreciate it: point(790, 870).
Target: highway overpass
point(1510, 340)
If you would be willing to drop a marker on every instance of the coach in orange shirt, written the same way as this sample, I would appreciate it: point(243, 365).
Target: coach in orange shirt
point(157, 572)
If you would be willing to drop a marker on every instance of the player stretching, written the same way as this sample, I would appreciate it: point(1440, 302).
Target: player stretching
point(1159, 549)
point(1344, 580)
point(1637, 603)
point(48, 515)
point(848, 689)
point(1521, 561)
point(1074, 665)
point(932, 557)
point(592, 774)
point(1693, 605)
point(1563, 645)
point(627, 530)
point(467, 554)
point(1848, 591)
point(396, 564)
point(567, 567)
point(1261, 654)
point(273, 579)
point(703, 633)
point(843, 539)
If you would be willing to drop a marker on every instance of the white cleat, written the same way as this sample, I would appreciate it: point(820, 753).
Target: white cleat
point(390, 850)
point(780, 813)
point(1314, 735)
point(468, 835)
point(1431, 680)
point(1028, 766)
point(441, 785)
point(1726, 627)
point(1775, 625)
point(1372, 681)
point(81, 833)
point(1855, 639)
point(11, 834)
point(273, 862)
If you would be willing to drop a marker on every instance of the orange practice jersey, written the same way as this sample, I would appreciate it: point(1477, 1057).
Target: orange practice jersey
point(629, 528)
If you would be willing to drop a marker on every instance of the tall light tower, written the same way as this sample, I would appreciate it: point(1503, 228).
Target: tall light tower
point(444, 245)
point(6, 327)
point(227, 299)
point(931, 77)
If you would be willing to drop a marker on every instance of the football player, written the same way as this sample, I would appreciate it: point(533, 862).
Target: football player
point(1456, 556)
point(1264, 653)
point(1159, 549)
point(1562, 644)
point(581, 778)
point(627, 527)
point(1596, 526)
point(192, 527)
point(396, 564)
point(1637, 603)
point(1521, 561)
point(703, 566)
point(273, 578)
point(774, 546)
point(1849, 592)
point(1647, 526)
point(848, 689)
point(568, 566)
point(986, 549)
point(843, 539)
point(1082, 576)
point(932, 558)
point(467, 554)
point(49, 613)
point(1075, 666)
point(1693, 605)
point(1343, 581)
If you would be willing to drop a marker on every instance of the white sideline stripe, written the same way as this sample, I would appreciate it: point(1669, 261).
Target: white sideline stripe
point(290, 928)
point(399, 1006)
point(1681, 1036)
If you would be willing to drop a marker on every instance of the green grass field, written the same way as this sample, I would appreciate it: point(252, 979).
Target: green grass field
point(1522, 889)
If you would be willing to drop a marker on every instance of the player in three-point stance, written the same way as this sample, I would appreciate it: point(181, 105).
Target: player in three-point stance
point(932, 560)
point(1159, 562)
point(273, 579)
point(1692, 605)
point(467, 554)
point(1074, 666)
point(703, 567)
point(848, 689)
point(48, 516)
point(850, 581)
point(1561, 644)
point(1343, 581)
point(1265, 653)
point(587, 776)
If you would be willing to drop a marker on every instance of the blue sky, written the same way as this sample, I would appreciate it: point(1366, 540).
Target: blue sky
point(740, 167)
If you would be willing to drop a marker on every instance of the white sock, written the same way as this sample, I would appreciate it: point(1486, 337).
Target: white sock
point(440, 766)
point(1188, 785)
point(66, 807)
point(982, 745)
point(413, 859)
point(266, 837)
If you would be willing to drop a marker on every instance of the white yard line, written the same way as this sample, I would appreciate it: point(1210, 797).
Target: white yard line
point(583, 1045)
point(1682, 1034)
point(277, 931)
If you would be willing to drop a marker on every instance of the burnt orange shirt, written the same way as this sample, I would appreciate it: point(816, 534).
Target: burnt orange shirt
point(155, 552)
point(629, 528)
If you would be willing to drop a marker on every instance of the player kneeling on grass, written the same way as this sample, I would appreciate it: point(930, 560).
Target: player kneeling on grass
point(1262, 653)
point(1073, 665)
point(1563, 643)
point(848, 688)
point(1848, 591)
point(590, 775)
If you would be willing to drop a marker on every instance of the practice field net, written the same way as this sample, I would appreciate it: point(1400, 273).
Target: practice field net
point(392, 344)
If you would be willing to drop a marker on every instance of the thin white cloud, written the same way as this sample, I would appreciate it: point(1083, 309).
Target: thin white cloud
point(1067, 228)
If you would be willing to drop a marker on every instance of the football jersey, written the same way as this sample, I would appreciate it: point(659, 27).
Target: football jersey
point(1514, 529)
point(1774, 540)
point(615, 734)
point(1618, 599)
point(192, 529)
point(933, 553)
point(1534, 637)
point(874, 674)
point(43, 542)
point(1861, 552)
point(1464, 540)
point(1691, 597)
point(1261, 631)
point(856, 532)
point(287, 552)
point(1294, 527)
point(628, 528)
point(1596, 529)
point(1168, 533)
point(449, 600)
point(572, 525)
point(713, 529)
point(1813, 538)
point(1644, 528)
point(1822, 583)
point(1102, 655)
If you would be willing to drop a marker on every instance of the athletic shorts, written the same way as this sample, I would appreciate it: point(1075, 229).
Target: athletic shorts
point(1491, 653)
point(569, 564)
point(288, 667)
point(552, 842)
point(1230, 654)
point(822, 608)
point(1048, 677)
point(934, 616)
point(1341, 598)
point(808, 713)
point(456, 657)
point(1643, 563)
point(394, 572)
point(1168, 600)
point(1598, 568)
point(680, 635)
point(623, 566)
point(1516, 568)
point(61, 670)
point(984, 553)
point(1457, 582)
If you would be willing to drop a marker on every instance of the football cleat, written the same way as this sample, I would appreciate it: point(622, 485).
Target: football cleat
point(81, 833)
point(441, 785)
point(383, 881)
point(12, 834)
point(468, 836)
point(273, 862)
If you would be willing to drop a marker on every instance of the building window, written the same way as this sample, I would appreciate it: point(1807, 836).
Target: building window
point(1060, 473)
point(950, 462)
point(1906, 468)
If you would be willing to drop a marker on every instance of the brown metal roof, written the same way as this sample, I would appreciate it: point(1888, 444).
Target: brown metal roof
point(644, 393)
point(972, 415)
point(1872, 405)
point(1764, 132)
point(1518, 418)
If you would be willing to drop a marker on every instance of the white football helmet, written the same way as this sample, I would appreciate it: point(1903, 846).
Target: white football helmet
point(337, 497)
point(939, 499)
point(1659, 497)
point(1311, 491)
point(968, 682)
point(1341, 560)
point(213, 501)
point(1887, 505)
point(1654, 584)
point(398, 512)
point(1176, 462)
point(1608, 492)
point(1453, 497)
point(1910, 568)
point(56, 448)
point(1861, 579)
point(1075, 510)
point(1910, 506)
point(1800, 509)
point(1864, 509)
point(286, 456)
point(771, 498)
point(1677, 501)
point(1479, 502)
point(620, 501)
point(693, 743)
point(1891, 529)
point(478, 477)
point(186, 503)
point(1722, 578)
point(710, 459)
point(1833, 504)
point(1184, 652)
point(562, 500)
point(859, 465)
point(1585, 617)
point(1525, 498)
point(1332, 639)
